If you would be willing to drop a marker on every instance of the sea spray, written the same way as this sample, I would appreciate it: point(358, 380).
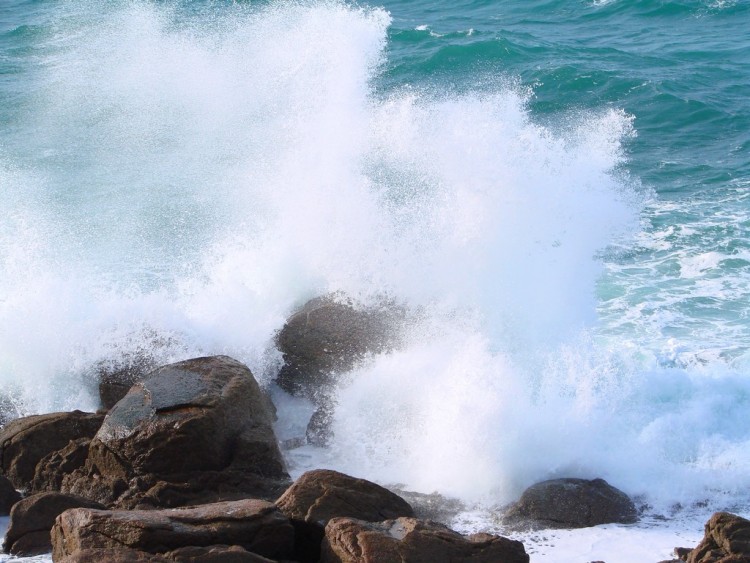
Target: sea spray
point(180, 184)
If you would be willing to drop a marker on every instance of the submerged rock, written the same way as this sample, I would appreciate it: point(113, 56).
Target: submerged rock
point(408, 540)
point(254, 525)
point(32, 518)
point(571, 503)
point(726, 540)
point(327, 337)
point(191, 432)
point(320, 495)
point(24, 442)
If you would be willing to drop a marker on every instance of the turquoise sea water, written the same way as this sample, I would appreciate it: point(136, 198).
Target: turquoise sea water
point(564, 185)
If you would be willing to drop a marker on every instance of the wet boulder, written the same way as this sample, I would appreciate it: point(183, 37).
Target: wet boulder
point(408, 540)
point(25, 441)
point(320, 495)
point(32, 518)
point(726, 539)
point(254, 525)
point(191, 432)
point(571, 503)
point(329, 336)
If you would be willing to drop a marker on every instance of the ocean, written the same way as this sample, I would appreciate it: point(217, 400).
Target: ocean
point(559, 188)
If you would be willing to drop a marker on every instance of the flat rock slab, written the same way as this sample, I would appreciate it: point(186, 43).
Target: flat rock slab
point(408, 540)
point(571, 503)
point(211, 554)
point(32, 518)
point(113, 555)
point(255, 525)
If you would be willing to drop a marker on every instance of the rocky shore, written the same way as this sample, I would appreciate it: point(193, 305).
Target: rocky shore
point(184, 466)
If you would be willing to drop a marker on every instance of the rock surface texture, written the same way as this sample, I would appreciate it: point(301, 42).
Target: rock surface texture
point(726, 540)
point(407, 540)
point(25, 441)
point(192, 432)
point(320, 495)
point(254, 525)
point(53, 467)
point(571, 503)
point(32, 519)
point(114, 555)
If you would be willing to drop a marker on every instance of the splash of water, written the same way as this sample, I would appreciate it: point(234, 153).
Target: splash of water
point(178, 184)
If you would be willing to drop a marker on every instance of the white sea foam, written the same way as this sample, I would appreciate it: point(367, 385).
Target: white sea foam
point(180, 187)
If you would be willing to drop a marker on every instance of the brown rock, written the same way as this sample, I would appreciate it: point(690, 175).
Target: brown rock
point(328, 336)
point(25, 441)
point(726, 540)
point(215, 554)
point(571, 503)
point(408, 540)
point(194, 431)
point(199, 487)
point(322, 494)
point(255, 525)
point(53, 467)
point(8, 496)
point(113, 555)
point(211, 554)
point(32, 518)
point(203, 406)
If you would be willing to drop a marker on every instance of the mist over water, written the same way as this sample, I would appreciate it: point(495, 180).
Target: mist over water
point(178, 181)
